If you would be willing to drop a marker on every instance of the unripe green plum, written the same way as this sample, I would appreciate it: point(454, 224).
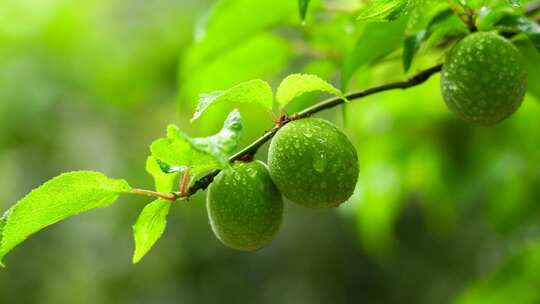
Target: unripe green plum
point(313, 163)
point(244, 206)
point(484, 79)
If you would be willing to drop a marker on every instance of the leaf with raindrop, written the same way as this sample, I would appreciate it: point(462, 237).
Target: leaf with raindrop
point(200, 154)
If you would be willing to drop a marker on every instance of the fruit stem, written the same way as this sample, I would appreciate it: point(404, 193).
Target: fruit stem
point(165, 196)
point(184, 181)
point(465, 14)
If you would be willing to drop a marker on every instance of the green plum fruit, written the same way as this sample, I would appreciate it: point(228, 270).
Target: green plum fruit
point(484, 78)
point(244, 206)
point(313, 163)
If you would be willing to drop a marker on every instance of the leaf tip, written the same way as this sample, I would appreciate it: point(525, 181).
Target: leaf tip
point(302, 8)
point(136, 258)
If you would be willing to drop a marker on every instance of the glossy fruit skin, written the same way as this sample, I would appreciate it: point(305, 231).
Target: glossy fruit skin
point(484, 79)
point(244, 206)
point(313, 163)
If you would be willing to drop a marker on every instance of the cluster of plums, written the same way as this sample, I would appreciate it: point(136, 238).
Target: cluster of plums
point(310, 161)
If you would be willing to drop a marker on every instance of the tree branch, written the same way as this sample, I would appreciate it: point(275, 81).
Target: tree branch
point(251, 149)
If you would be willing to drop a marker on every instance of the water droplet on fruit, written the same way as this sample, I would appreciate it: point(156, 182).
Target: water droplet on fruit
point(319, 163)
point(252, 172)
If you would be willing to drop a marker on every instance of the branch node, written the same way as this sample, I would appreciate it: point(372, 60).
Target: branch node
point(295, 116)
point(246, 158)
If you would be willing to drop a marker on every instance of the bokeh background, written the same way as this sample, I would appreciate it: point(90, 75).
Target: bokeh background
point(444, 212)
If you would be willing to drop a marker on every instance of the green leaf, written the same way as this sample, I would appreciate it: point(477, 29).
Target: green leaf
point(229, 23)
point(489, 16)
point(254, 91)
point(254, 57)
point(164, 181)
point(149, 227)
point(375, 42)
point(177, 152)
point(199, 154)
point(297, 84)
point(302, 7)
point(167, 168)
point(449, 27)
point(524, 25)
point(59, 198)
point(235, 43)
point(152, 220)
point(222, 144)
point(411, 45)
point(440, 17)
point(436, 19)
point(532, 61)
point(385, 10)
point(423, 14)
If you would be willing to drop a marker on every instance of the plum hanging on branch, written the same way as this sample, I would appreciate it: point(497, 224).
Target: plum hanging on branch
point(484, 79)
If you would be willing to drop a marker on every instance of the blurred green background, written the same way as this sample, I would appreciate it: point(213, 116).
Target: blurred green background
point(444, 212)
